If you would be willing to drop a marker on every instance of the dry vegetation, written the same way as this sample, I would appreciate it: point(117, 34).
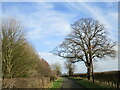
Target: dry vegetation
point(110, 78)
point(26, 82)
point(21, 65)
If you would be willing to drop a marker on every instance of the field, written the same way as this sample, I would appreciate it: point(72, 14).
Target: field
point(110, 78)
point(88, 84)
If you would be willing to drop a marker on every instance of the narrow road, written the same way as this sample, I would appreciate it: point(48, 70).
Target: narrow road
point(68, 83)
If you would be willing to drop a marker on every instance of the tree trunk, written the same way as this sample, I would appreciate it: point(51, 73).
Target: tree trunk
point(89, 72)
point(92, 73)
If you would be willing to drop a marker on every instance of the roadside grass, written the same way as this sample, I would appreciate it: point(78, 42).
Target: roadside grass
point(56, 84)
point(88, 84)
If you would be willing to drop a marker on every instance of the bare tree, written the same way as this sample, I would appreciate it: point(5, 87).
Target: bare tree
point(56, 68)
point(69, 65)
point(12, 40)
point(17, 54)
point(88, 41)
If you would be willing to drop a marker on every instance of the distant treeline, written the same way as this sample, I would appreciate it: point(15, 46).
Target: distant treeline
point(110, 78)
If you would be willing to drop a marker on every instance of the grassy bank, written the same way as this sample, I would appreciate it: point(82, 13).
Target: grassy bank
point(88, 84)
point(57, 83)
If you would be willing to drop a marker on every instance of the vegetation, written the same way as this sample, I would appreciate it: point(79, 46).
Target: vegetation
point(110, 78)
point(20, 61)
point(26, 82)
point(88, 41)
point(88, 84)
point(69, 65)
point(0, 55)
point(56, 69)
point(57, 83)
point(19, 58)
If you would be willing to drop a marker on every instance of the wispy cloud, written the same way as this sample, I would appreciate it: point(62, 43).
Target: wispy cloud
point(44, 22)
point(60, 0)
point(105, 16)
point(47, 24)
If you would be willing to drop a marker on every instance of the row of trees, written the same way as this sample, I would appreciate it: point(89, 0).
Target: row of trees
point(70, 66)
point(19, 58)
point(56, 69)
point(88, 41)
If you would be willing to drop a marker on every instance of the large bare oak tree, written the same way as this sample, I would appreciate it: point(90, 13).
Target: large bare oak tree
point(88, 41)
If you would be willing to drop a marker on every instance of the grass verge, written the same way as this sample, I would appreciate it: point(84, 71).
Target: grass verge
point(57, 83)
point(88, 84)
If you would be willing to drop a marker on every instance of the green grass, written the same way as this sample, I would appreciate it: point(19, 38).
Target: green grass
point(88, 84)
point(57, 83)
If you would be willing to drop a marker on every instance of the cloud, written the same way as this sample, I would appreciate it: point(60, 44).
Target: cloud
point(47, 22)
point(60, 0)
point(46, 25)
point(107, 64)
point(35, 34)
point(107, 19)
point(105, 16)
point(57, 24)
point(43, 21)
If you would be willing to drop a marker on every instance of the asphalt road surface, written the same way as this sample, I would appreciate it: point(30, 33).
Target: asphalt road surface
point(69, 83)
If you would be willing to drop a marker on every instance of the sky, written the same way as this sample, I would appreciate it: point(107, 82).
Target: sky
point(47, 23)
